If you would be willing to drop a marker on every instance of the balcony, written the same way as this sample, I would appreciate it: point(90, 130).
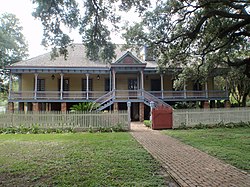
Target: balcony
point(119, 95)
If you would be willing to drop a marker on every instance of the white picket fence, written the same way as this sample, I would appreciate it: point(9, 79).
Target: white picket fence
point(76, 120)
point(192, 117)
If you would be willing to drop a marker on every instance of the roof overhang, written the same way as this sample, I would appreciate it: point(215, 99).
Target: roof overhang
point(72, 70)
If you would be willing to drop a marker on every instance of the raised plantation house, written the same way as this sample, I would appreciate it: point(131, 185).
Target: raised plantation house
point(56, 85)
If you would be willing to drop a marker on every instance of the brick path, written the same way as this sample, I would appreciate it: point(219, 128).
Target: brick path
point(187, 165)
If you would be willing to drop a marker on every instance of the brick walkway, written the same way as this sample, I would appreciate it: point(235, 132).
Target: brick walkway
point(187, 165)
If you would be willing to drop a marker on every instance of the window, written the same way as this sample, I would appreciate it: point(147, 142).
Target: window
point(40, 85)
point(65, 84)
point(107, 85)
point(84, 85)
point(132, 84)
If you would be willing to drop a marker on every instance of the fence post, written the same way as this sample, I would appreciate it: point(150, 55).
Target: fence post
point(152, 105)
point(129, 111)
point(186, 118)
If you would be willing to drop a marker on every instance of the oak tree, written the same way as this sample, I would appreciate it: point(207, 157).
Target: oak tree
point(13, 46)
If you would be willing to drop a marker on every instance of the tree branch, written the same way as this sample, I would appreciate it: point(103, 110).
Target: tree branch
point(234, 28)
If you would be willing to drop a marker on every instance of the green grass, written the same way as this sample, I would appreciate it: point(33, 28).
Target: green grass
point(230, 145)
point(80, 159)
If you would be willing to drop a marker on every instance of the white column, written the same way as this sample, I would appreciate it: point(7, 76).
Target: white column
point(142, 80)
point(113, 75)
point(87, 86)
point(152, 105)
point(142, 84)
point(129, 113)
point(10, 85)
point(162, 86)
point(35, 94)
point(206, 89)
point(61, 87)
point(110, 81)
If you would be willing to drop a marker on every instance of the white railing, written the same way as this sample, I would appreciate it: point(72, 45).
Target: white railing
point(190, 94)
point(119, 95)
point(81, 120)
point(56, 95)
point(192, 117)
point(128, 94)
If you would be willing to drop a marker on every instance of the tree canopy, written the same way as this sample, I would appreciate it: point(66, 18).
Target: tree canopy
point(215, 32)
point(13, 46)
point(94, 21)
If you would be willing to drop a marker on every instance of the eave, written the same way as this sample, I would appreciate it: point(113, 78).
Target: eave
point(72, 70)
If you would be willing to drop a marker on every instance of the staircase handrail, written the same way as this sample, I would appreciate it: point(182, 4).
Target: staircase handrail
point(105, 97)
point(158, 102)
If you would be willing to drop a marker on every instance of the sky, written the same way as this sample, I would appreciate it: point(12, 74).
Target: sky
point(32, 29)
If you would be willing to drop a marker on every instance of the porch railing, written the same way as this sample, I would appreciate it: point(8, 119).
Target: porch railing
point(118, 95)
point(56, 95)
point(190, 94)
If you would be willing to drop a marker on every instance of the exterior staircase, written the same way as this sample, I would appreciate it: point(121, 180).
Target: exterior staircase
point(109, 98)
point(148, 98)
point(105, 100)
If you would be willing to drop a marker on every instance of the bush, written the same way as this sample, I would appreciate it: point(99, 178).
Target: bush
point(85, 106)
point(218, 125)
point(117, 128)
point(148, 123)
point(34, 129)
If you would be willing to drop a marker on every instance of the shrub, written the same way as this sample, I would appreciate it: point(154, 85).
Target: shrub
point(34, 129)
point(148, 123)
point(218, 125)
point(183, 126)
point(117, 128)
point(85, 106)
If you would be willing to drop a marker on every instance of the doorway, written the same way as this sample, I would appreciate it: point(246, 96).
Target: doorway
point(134, 111)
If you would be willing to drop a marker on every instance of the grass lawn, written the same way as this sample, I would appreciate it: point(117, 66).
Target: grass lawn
point(80, 159)
point(230, 145)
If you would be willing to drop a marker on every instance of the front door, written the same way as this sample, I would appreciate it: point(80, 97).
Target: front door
point(133, 85)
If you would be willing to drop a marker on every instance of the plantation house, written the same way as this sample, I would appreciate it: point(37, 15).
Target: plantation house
point(49, 85)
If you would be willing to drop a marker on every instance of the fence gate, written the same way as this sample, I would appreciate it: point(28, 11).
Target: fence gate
point(162, 118)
